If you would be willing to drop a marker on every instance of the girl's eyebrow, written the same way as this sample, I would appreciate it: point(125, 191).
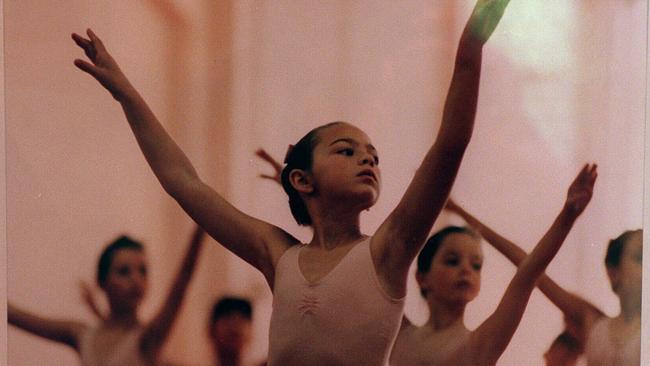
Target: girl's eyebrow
point(353, 142)
point(345, 139)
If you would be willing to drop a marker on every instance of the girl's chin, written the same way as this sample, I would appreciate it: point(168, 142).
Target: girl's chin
point(359, 201)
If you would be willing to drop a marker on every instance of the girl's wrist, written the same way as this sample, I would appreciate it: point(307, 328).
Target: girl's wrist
point(568, 214)
point(126, 94)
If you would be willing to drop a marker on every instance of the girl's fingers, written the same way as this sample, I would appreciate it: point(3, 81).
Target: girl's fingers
point(86, 45)
point(91, 35)
point(87, 67)
point(95, 40)
point(264, 155)
point(80, 41)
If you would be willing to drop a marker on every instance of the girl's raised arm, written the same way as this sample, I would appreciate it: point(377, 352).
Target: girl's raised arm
point(62, 331)
point(576, 309)
point(489, 340)
point(157, 331)
point(277, 167)
point(255, 241)
point(88, 297)
point(403, 233)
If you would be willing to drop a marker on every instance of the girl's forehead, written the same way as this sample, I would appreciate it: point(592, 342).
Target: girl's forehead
point(129, 256)
point(461, 243)
point(634, 244)
point(342, 132)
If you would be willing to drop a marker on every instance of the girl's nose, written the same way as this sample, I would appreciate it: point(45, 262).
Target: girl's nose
point(466, 267)
point(368, 159)
point(139, 280)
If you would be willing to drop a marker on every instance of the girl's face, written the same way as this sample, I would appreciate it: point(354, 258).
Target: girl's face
point(455, 273)
point(345, 166)
point(231, 333)
point(126, 282)
point(559, 355)
point(629, 270)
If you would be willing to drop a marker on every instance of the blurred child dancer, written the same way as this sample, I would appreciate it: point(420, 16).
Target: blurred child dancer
point(320, 316)
point(449, 276)
point(230, 330)
point(121, 338)
point(605, 341)
point(229, 326)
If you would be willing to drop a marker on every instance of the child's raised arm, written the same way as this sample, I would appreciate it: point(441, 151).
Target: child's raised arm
point(576, 310)
point(62, 331)
point(255, 241)
point(157, 331)
point(401, 236)
point(489, 340)
point(277, 167)
point(88, 297)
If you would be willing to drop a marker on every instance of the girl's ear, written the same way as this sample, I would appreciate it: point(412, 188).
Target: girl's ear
point(301, 181)
point(419, 277)
point(614, 278)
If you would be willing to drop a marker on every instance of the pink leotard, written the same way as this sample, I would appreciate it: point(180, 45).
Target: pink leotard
point(346, 318)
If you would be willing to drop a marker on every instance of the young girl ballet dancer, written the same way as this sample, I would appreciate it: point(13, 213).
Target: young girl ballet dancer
point(449, 276)
point(462, 241)
point(121, 338)
point(606, 341)
point(320, 316)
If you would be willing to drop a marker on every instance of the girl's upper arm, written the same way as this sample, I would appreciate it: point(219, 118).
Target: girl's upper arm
point(157, 331)
point(63, 331)
point(403, 233)
point(255, 241)
point(580, 312)
point(490, 339)
point(410, 222)
point(574, 307)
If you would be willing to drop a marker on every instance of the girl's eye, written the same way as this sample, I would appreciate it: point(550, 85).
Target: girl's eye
point(143, 271)
point(124, 271)
point(347, 151)
point(376, 160)
point(451, 261)
point(477, 266)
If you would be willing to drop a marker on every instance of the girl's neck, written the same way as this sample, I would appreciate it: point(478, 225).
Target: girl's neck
point(443, 316)
point(630, 309)
point(332, 230)
point(228, 359)
point(122, 318)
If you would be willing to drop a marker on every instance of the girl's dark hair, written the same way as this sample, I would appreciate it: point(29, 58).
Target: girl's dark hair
point(106, 259)
point(617, 246)
point(231, 305)
point(567, 340)
point(300, 156)
point(425, 258)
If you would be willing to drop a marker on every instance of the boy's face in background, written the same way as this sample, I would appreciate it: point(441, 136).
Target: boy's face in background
point(231, 333)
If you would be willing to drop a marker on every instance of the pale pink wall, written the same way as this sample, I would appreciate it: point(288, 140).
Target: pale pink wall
point(3, 199)
point(75, 175)
point(228, 78)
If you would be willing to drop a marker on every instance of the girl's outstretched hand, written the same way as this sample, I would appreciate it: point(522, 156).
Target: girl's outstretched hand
point(277, 167)
point(485, 18)
point(103, 66)
point(581, 190)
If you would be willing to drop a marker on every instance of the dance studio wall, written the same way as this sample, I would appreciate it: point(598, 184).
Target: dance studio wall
point(562, 85)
